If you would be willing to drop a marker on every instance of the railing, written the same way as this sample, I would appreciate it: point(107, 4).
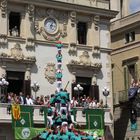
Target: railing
point(120, 96)
point(5, 115)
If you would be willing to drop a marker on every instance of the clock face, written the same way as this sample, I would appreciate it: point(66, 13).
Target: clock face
point(50, 25)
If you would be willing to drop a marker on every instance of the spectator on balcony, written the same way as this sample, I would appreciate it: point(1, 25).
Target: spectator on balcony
point(74, 102)
point(14, 31)
point(37, 101)
point(47, 100)
point(100, 104)
point(29, 100)
point(41, 100)
point(22, 98)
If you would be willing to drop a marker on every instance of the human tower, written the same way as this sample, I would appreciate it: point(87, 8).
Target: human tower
point(60, 124)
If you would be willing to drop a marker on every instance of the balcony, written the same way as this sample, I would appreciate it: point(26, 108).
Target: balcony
point(5, 117)
point(120, 97)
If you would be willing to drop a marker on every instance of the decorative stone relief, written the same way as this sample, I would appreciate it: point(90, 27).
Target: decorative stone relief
point(30, 10)
point(60, 19)
point(30, 43)
point(3, 39)
point(37, 27)
point(16, 52)
point(96, 50)
point(96, 21)
point(92, 1)
point(17, 55)
point(3, 6)
point(50, 73)
point(84, 60)
point(73, 18)
point(48, 36)
point(72, 49)
point(64, 26)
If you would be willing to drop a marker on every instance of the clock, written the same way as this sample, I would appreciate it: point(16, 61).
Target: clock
point(50, 25)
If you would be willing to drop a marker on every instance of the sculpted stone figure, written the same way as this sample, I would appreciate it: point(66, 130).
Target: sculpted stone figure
point(85, 58)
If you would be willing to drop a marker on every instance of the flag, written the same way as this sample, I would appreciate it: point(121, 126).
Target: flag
point(95, 119)
point(26, 117)
point(16, 111)
point(27, 133)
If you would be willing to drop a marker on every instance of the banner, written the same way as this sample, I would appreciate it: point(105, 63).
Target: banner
point(26, 117)
point(95, 119)
point(27, 133)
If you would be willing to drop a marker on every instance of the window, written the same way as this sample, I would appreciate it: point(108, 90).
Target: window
point(14, 24)
point(127, 38)
point(82, 32)
point(130, 37)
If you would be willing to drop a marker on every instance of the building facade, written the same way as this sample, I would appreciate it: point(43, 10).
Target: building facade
point(28, 37)
point(125, 68)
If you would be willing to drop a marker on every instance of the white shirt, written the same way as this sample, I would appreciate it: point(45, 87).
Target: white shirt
point(29, 101)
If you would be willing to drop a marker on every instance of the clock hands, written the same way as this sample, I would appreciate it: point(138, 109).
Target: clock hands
point(52, 26)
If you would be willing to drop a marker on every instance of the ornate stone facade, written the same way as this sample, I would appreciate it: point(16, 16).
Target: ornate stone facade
point(40, 25)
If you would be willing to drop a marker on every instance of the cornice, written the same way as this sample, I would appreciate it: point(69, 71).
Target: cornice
point(71, 7)
point(125, 23)
point(125, 48)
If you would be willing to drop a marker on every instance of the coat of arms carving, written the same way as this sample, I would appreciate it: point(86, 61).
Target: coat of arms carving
point(16, 52)
point(50, 72)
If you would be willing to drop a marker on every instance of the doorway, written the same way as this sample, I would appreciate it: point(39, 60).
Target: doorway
point(16, 81)
point(85, 82)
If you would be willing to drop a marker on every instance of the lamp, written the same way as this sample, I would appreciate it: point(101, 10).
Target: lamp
point(35, 87)
point(106, 93)
point(78, 88)
point(3, 86)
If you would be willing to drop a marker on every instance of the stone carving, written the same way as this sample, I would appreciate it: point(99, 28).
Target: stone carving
point(61, 19)
point(64, 27)
point(72, 49)
point(2, 54)
point(16, 52)
point(30, 58)
point(96, 50)
point(50, 37)
point(30, 43)
point(84, 60)
point(73, 18)
point(31, 9)
point(37, 27)
point(96, 21)
point(92, 1)
point(3, 39)
point(3, 7)
point(50, 73)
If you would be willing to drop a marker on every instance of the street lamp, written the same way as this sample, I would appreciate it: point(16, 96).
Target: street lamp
point(106, 93)
point(78, 88)
point(3, 87)
point(35, 87)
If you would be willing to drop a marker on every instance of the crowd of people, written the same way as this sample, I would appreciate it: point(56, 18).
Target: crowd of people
point(60, 113)
point(83, 101)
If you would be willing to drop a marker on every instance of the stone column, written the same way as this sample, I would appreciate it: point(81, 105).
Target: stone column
point(90, 33)
point(29, 22)
point(96, 31)
point(72, 32)
point(3, 17)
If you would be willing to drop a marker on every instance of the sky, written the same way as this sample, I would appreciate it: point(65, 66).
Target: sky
point(134, 6)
